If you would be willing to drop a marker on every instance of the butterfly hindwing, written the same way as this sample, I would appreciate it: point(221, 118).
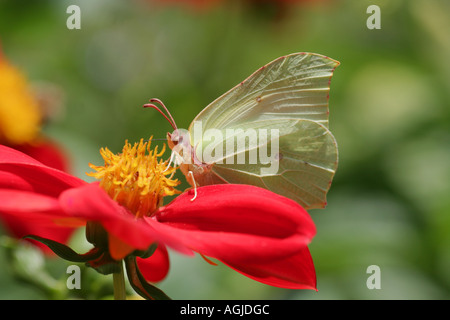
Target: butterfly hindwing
point(304, 160)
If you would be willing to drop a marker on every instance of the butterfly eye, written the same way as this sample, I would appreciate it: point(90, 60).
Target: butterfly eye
point(175, 136)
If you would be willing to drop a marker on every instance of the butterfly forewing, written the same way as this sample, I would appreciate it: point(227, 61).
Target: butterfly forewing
point(294, 86)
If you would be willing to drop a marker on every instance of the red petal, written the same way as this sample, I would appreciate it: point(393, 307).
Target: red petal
point(239, 209)
point(92, 203)
point(156, 267)
point(42, 178)
point(10, 180)
point(24, 213)
point(47, 153)
point(294, 272)
point(27, 203)
point(9, 155)
point(118, 249)
point(237, 223)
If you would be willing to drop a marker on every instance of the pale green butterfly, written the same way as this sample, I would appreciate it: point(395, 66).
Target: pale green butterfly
point(288, 97)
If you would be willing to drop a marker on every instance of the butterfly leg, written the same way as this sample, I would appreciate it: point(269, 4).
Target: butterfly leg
point(195, 185)
point(172, 156)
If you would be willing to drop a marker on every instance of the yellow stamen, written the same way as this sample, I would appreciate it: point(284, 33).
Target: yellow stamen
point(134, 179)
point(20, 115)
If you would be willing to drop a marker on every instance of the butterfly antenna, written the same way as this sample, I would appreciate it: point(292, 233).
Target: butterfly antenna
point(166, 109)
point(171, 121)
point(150, 105)
point(195, 185)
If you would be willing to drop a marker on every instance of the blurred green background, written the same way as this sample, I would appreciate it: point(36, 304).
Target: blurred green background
point(389, 204)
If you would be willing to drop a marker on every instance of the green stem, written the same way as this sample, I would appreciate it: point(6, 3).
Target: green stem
point(119, 283)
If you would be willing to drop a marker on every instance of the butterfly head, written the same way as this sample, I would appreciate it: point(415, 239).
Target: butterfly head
point(179, 139)
point(179, 142)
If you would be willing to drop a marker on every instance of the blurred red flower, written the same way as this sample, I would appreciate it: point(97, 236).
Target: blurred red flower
point(22, 113)
point(21, 117)
point(255, 4)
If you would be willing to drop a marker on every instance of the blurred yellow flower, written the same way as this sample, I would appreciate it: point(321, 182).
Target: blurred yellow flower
point(20, 116)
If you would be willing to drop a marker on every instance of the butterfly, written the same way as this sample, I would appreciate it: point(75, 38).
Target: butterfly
point(270, 130)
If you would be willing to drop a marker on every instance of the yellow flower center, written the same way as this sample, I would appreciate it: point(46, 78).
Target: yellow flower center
point(134, 179)
point(20, 115)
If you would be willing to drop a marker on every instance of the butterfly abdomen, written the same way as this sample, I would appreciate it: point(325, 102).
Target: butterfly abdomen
point(202, 174)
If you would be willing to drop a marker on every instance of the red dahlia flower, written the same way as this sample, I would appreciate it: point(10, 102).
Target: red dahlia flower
point(254, 231)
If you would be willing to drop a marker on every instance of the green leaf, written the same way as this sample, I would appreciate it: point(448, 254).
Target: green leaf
point(28, 264)
point(139, 284)
point(65, 252)
point(106, 268)
point(147, 253)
